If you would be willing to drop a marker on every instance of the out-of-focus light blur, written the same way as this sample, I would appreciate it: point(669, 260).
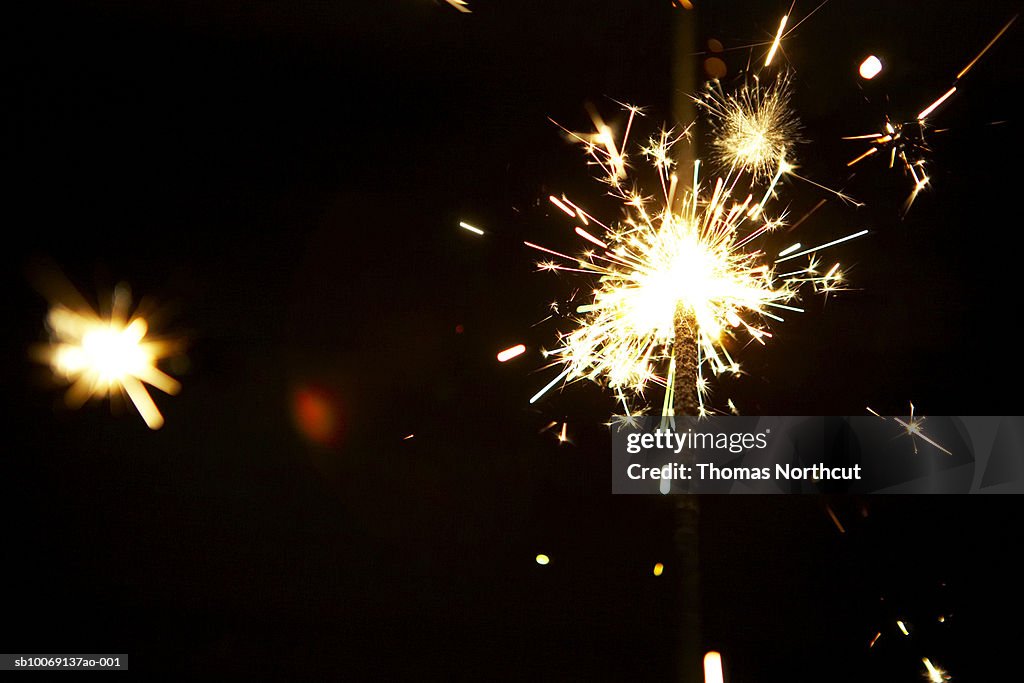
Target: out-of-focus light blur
point(870, 67)
point(98, 355)
point(510, 353)
point(659, 569)
point(317, 415)
point(543, 559)
point(713, 668)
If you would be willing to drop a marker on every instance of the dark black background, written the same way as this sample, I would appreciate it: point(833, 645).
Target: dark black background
point(286, 180)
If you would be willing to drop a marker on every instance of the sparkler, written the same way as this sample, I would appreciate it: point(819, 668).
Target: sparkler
point(100, 355)
point(686, 261)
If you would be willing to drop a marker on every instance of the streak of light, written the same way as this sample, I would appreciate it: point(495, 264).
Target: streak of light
point(988, 47)
point(825, 246)
point(777, 41)
point(561, 205)
point(931, 107)
point(835, 519)
point(935, 674)
point(713, 668)
point(511, 352)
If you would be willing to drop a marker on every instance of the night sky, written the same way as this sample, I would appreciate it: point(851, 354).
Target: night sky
point(283, 182)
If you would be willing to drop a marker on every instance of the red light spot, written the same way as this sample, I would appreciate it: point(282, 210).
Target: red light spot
point(459, 329)
point(316, 415)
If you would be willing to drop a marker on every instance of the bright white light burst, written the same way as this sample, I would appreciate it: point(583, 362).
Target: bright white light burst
point(694, 249)
point(100, 355)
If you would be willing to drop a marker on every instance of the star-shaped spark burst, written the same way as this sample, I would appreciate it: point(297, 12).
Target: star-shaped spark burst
point(103, 355)
point(914, 428)
point(752, 128)
point(694, 249)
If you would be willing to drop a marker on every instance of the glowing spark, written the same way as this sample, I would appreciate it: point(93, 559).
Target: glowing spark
point(100, 355)
point(988, 47)
point(824, 246)
point(512, 352)
point(562, 436)
point(903, 628)
point(935, 674)
point(870, 67)
point(835, 519)
point(931, 107)
point(875, 639)
point(659, 569)
point(693, 249)
point(460, 5)
point(914, 428)
point(469, 227)
point(543, 559)
point(408, 437)
point(753, 128)
point(777, 41)
point(561, 205)
point(713, 668)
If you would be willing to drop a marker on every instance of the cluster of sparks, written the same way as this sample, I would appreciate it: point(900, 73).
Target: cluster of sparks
point(753, 128)
point(905, 142)
point(913, 427)
point(695, 248)
point(104, 355)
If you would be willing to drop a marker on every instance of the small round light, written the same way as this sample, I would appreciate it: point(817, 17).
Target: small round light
point(870, 68)
point(543, 559)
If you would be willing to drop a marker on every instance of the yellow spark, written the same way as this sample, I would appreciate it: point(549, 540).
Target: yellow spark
point(713, 668)
point(408, 437)
point(903, 628)
point(935, 674)
point(561, 205)
point(931, 107)
point(659, 569)
point(99, 355)
point(777, 41)
point(460, 5)
point(511, 352)
point(543, 559)
point(692, 250)
point(752, 129)
point(469, 227)
point(562, 438)
point(988, 47)
point(836, 521)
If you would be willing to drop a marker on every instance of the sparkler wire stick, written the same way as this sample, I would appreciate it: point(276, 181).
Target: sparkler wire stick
point(685, 366)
